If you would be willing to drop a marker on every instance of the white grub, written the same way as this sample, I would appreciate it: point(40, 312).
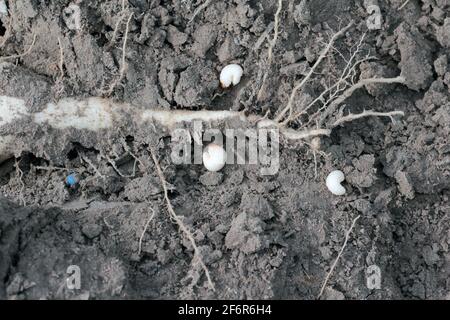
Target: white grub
point(72, 17)
point(334, 181)
point(231, 75)
point(11, 109)
point(214, 157)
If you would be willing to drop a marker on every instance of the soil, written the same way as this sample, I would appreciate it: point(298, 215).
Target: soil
point(261, 237)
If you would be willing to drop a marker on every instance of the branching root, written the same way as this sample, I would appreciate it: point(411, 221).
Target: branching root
point(141, 238)
point(270, 49)
point(179, 221)
point(300, 85)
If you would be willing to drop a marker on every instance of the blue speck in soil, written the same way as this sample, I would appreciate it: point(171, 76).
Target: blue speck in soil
point(71, 180)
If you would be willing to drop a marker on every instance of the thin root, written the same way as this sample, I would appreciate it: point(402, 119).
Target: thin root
point(7, 34)
point(403, 5)
point(86, 159)
point(347, 236)
point(51, 168)
point(270, 49)
point(114, 165)
point(19, 175)
point(61, 59)
point(117, 25)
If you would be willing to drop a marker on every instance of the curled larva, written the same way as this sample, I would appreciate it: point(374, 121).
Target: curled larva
point(214, 157)
point(333, 182)
point(231, 75)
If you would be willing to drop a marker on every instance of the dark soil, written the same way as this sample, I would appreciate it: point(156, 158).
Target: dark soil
point(262, 237)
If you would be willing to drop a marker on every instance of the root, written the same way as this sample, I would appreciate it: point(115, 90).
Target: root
point(292, 134)
point(263, 37)
point(315, 164)
point(7, 34)
point(347, 235)
point(114, 165)
point(324, 53)
point(116, 30)
point(275, 31)
point(61, 59)
point(117, 25)
point(315, 147)
point(334, 95)
point(51, 168)
point(332, 92)
point(95, 114)
point(86, 159)
point(179, 222)
point(123, 63)
point(59, 83)
point(347, 93)
point(270, 49)
point(403, 5)
point(18, 56)
point(368, 113)
point(127, 152)
point(19, 176)
point(141, 238)
point(199, 9)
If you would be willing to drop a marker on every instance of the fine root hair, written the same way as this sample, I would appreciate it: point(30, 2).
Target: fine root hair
point(330, 272)
point(197, 254)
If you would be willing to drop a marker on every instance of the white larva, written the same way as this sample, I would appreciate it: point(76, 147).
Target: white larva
point(231, 75)
point(333, 182)
point(214, 157)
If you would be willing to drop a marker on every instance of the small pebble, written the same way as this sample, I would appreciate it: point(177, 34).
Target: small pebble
point(211, 178)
